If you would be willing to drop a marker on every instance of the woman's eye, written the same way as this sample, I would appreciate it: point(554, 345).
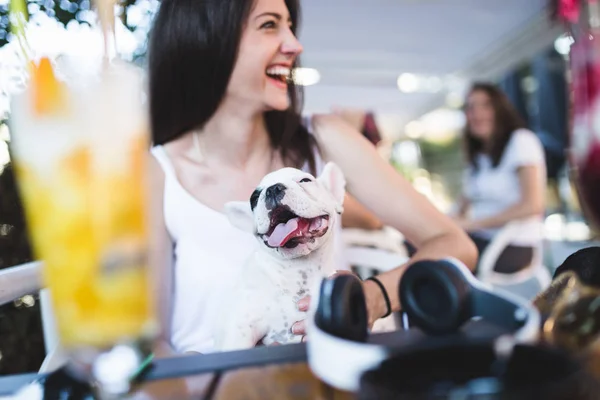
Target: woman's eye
point(305, 180)
point(268, 25)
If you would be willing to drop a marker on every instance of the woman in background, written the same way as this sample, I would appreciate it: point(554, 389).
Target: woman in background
point(505, 179)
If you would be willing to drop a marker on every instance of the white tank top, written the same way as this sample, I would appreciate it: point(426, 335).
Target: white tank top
point(208, 253)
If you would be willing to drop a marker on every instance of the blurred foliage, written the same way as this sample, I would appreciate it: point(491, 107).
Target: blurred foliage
point(66, 11)
point(445, 160)
point(404, 170)
point(63, 11)
point(435, 153)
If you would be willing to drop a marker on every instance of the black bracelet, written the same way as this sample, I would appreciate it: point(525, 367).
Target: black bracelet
point(385, 295)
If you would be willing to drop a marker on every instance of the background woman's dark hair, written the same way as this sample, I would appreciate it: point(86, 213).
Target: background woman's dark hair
point(506, 121)
point(192, 51)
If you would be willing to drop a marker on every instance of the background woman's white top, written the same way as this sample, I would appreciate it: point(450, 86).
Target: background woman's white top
point(491, 190)
point(208, 253)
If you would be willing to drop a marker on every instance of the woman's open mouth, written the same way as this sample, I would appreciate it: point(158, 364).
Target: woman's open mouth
point(279, 75)
point(289, 230)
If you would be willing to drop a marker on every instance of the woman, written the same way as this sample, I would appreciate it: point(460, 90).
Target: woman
point(224, 113)
point(505, 179)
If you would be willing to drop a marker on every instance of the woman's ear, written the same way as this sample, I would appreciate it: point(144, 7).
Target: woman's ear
point(240, 215)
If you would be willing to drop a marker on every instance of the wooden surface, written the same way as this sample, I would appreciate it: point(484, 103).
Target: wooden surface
point(195, 387)
point(281, 382)
point(290, 381)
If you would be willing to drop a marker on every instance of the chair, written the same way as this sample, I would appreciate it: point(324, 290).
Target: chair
point(386, 238)
point(25, 279)
point(19, 281)
point(525, 283)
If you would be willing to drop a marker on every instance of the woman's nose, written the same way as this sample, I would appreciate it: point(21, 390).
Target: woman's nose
point(291, 45)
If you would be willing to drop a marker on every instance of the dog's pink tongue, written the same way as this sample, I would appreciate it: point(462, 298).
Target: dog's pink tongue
point(284, 232)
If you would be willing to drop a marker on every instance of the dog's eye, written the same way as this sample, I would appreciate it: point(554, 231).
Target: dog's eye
point(306, 180)
point(254, 199)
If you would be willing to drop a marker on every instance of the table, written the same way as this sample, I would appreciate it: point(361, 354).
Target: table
point(279, 372)
point(286, 381)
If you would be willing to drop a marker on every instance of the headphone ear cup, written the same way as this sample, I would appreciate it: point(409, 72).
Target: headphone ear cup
point(436, 296)
point(342, 309)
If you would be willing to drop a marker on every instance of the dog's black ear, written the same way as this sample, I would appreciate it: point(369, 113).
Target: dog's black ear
point(333, 179)
point(240, 215)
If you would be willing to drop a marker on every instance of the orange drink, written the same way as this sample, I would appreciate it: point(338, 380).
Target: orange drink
point(80, 156)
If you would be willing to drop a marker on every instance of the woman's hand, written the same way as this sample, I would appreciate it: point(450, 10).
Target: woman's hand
point(466, 224)
point(376, 306)
point(299, 328)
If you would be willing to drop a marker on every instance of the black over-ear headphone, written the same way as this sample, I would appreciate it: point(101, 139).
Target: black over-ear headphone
point(438, 297)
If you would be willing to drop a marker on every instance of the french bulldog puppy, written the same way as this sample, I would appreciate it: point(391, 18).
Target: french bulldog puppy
point(292, 214)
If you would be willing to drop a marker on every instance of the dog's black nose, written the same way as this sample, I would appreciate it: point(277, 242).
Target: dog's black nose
point(275, 190)
point(274, 195)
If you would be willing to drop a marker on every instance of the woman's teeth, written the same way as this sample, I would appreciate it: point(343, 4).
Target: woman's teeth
point(280, 73)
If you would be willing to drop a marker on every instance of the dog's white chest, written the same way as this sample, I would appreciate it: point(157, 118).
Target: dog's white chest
point(282, 312)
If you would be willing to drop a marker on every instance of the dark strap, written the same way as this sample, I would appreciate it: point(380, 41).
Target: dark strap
point(385, 295)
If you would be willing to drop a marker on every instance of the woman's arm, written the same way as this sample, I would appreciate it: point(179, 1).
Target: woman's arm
point(161, 256)
point(358, 216)
point(463, 207)
point(531, 203)
point(380, 188)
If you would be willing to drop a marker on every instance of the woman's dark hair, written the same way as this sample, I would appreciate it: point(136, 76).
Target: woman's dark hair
point(506, 121)
point(192, 52)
